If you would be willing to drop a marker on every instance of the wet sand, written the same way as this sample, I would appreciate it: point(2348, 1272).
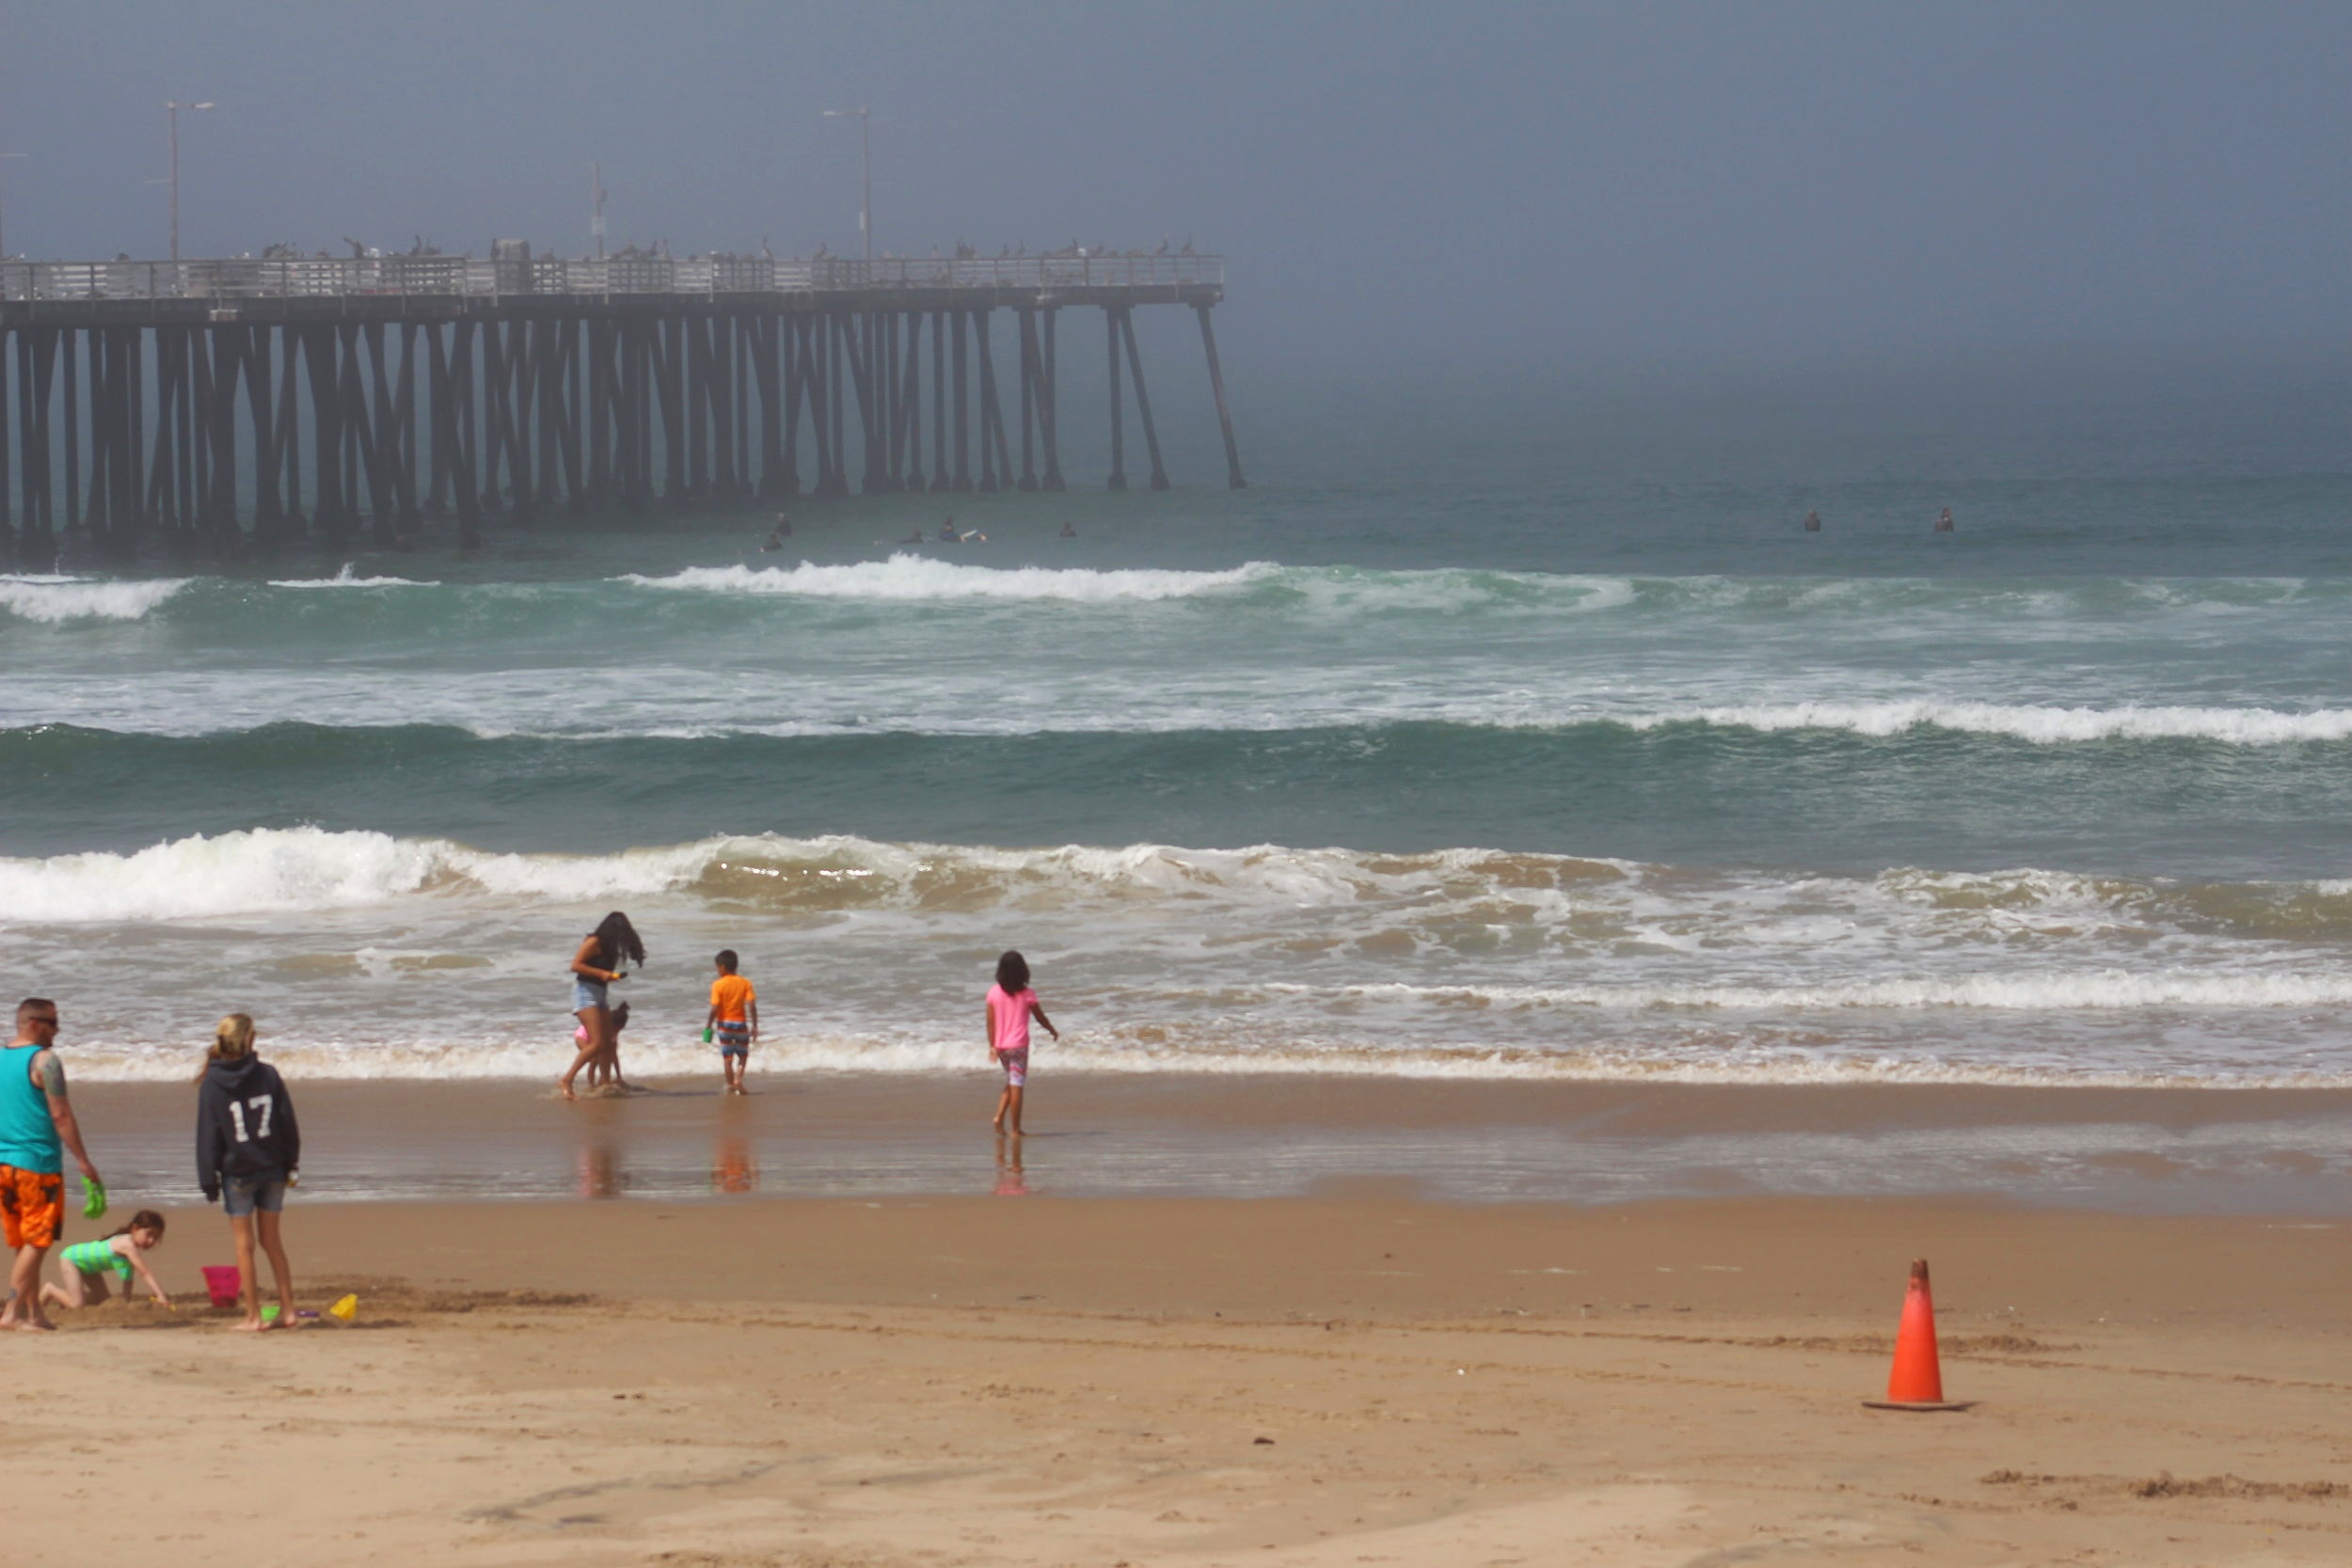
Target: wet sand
point(1357, 1378)
point(2129, 1151)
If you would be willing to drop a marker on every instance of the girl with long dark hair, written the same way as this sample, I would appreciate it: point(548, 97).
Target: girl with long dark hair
point(595, 966)
point(83, 1268)
point(1010, 1006)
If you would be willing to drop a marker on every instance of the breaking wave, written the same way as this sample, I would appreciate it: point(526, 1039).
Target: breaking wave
point(914, 578)
point(2043, 725)
point(1392, 900)
point(347, 578)
point(53, 600)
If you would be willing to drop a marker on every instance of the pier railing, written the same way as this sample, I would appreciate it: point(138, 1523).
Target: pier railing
point(326, 276)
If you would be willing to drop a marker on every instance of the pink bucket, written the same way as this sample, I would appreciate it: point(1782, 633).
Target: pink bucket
point(225, 1283)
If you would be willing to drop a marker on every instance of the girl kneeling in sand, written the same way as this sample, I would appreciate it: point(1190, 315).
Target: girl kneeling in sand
point(83, 1268)
point(1010, 1005)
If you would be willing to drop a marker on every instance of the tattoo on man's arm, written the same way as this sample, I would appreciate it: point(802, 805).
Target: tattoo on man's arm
point(52, 1077)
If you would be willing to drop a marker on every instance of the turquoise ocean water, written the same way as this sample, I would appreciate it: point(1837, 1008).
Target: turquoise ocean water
point(1496, 731)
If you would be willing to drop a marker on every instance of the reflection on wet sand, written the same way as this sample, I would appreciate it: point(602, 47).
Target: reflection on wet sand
point(599, 1152)
point(600, 1167)
point(1011, 1180)
point(732, 1167)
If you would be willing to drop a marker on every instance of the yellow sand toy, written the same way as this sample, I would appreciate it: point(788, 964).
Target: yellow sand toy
point(346, 1309)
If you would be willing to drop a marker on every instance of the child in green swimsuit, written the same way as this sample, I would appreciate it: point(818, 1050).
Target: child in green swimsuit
point(81, 1268)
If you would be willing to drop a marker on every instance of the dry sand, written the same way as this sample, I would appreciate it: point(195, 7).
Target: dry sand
point(1359, 1378)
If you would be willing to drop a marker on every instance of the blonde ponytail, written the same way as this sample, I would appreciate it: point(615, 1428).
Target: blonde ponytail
point(232, 1037)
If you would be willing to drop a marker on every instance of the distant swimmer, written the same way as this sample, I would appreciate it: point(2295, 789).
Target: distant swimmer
point(917, 537)
point(1943, 523)
point(1068, 531)
point(948, 535)
point(777, 535)
point(1813, 522)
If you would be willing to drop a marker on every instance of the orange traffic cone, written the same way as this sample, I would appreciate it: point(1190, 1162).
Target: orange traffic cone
point(1917, 1380)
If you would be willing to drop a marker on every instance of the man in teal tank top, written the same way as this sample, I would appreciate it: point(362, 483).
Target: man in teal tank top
point(36, 1128)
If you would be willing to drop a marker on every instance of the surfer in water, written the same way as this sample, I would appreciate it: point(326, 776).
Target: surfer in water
point(777, 535)
point(1813, 522)
point(1943, 523)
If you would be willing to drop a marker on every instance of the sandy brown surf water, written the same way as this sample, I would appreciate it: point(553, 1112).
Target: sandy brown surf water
point(1360, 1378)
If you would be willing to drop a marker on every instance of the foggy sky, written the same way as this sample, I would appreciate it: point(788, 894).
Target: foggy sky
point(1469, 182)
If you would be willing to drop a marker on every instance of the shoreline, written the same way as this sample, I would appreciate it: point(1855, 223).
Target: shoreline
point(2156, 1151)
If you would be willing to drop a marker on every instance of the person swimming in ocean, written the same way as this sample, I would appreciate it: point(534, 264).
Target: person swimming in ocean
point(948, 535)
point(1068, 531)
point(1943, 523)
point(777, 535)
point(1813, 522)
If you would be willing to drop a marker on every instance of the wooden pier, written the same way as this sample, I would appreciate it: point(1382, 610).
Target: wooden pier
point(216, 402)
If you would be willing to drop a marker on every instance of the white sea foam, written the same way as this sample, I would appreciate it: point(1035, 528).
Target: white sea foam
point(907, 578)
point(265, 870)
point(346, 578)
point(382, 957)
point(2108, 990)
point(1368, 893)
point(282, 870)
point(2042, 724)
point(56, 599)
point(291, 869)
point(651, 1056)
point(1117, 689)
point(912, 578)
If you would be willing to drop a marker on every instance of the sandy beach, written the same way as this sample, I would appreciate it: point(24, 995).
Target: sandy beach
point(1714, 659)
point(1354, 1378)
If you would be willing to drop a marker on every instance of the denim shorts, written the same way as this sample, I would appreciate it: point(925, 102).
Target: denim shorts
point(264, 1190)
point(587, 994)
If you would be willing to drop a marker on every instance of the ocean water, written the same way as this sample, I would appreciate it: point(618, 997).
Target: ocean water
point(1501, 733)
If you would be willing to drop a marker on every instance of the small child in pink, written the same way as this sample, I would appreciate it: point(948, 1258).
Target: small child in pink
point(1010, 1005)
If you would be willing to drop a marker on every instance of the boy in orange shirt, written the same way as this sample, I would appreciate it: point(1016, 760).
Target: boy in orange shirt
point(735, 1018)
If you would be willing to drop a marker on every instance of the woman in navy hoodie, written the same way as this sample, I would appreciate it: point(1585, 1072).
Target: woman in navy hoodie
point(248, 1147)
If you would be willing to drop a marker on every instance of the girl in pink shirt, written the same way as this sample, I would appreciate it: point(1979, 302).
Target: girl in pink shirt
point(1010, 1005)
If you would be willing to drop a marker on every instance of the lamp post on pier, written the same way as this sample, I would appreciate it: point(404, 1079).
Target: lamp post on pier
point(3, 244)
point(171, 109)
point(864, 119)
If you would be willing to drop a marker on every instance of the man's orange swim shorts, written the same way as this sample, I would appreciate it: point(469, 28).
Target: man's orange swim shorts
point(32, 1206)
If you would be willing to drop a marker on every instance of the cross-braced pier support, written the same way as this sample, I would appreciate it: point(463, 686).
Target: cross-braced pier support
point(176, 422)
